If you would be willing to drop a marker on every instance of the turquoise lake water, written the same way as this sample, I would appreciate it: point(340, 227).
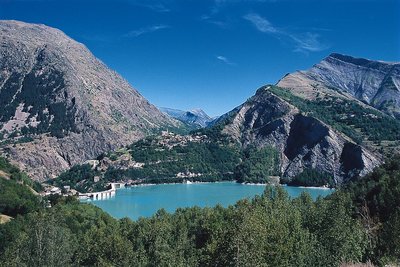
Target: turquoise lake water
point(144, 201)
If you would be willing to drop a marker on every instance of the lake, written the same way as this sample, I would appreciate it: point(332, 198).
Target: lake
point(144, 201)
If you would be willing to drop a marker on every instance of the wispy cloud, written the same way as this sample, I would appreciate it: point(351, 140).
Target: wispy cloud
point(260, 23)
point(149, 29)
point(225, 60)
point(307, 42)
point(302, 42)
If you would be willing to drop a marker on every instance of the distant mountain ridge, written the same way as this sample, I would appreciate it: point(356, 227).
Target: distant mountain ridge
point(376, 83)
point(60, 105)
point(196, 118)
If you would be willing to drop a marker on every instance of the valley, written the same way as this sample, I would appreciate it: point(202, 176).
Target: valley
point(304, 124)
point(303, 171)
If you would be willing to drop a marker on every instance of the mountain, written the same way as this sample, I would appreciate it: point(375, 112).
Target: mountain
point(60, 105)
point(375, 83)
point(273, 134)
point(195, 118)
point(303, 141)
point(337, 118)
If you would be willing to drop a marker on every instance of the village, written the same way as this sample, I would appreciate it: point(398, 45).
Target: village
point(169, 139)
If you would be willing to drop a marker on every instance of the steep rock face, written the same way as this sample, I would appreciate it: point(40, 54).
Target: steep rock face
point(374, 82)
point(55, 91)
point(196, 118)
point(303, 141)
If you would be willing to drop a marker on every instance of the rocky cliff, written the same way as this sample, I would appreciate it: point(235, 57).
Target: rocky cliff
point(303, 141)
point(376, 83)
point(60, 105)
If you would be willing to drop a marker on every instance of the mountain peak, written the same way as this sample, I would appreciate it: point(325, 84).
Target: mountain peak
point(56, 92)
point(37, 33)
point(200, 112)
point(374, 82)
point(196, 117)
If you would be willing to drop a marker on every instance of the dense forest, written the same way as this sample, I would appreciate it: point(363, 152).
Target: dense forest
point(213, 160)
point(311, 177)
point(358, 223)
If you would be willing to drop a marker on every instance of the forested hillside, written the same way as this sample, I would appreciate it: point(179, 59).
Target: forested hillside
point(168, 158)
point(358, 223)
point(203, 156)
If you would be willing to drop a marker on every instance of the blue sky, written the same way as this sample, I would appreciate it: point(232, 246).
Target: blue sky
point(214, 54)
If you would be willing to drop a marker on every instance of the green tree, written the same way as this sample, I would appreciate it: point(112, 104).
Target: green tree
point(16, 198)
point(44, 243)
point(257, 165)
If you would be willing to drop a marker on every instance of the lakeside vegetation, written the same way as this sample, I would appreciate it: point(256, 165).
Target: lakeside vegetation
point(257, 165)
point(311, 177)
point(212, 160)
point(358, 223)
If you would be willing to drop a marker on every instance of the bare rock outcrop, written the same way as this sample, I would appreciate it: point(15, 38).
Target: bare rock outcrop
point(302, 141)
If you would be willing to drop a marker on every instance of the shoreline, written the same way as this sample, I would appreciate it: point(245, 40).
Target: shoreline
point(316, 187)
point(228, 181)
point(220, 182)
point(197, 182)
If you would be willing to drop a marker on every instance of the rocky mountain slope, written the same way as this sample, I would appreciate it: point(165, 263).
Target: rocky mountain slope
point(375, 83)
point(195, 118)
point(303, 141)
point(60, 105)
point(339, 117)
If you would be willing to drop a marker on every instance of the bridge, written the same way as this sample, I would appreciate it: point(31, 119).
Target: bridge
point(103, 194)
